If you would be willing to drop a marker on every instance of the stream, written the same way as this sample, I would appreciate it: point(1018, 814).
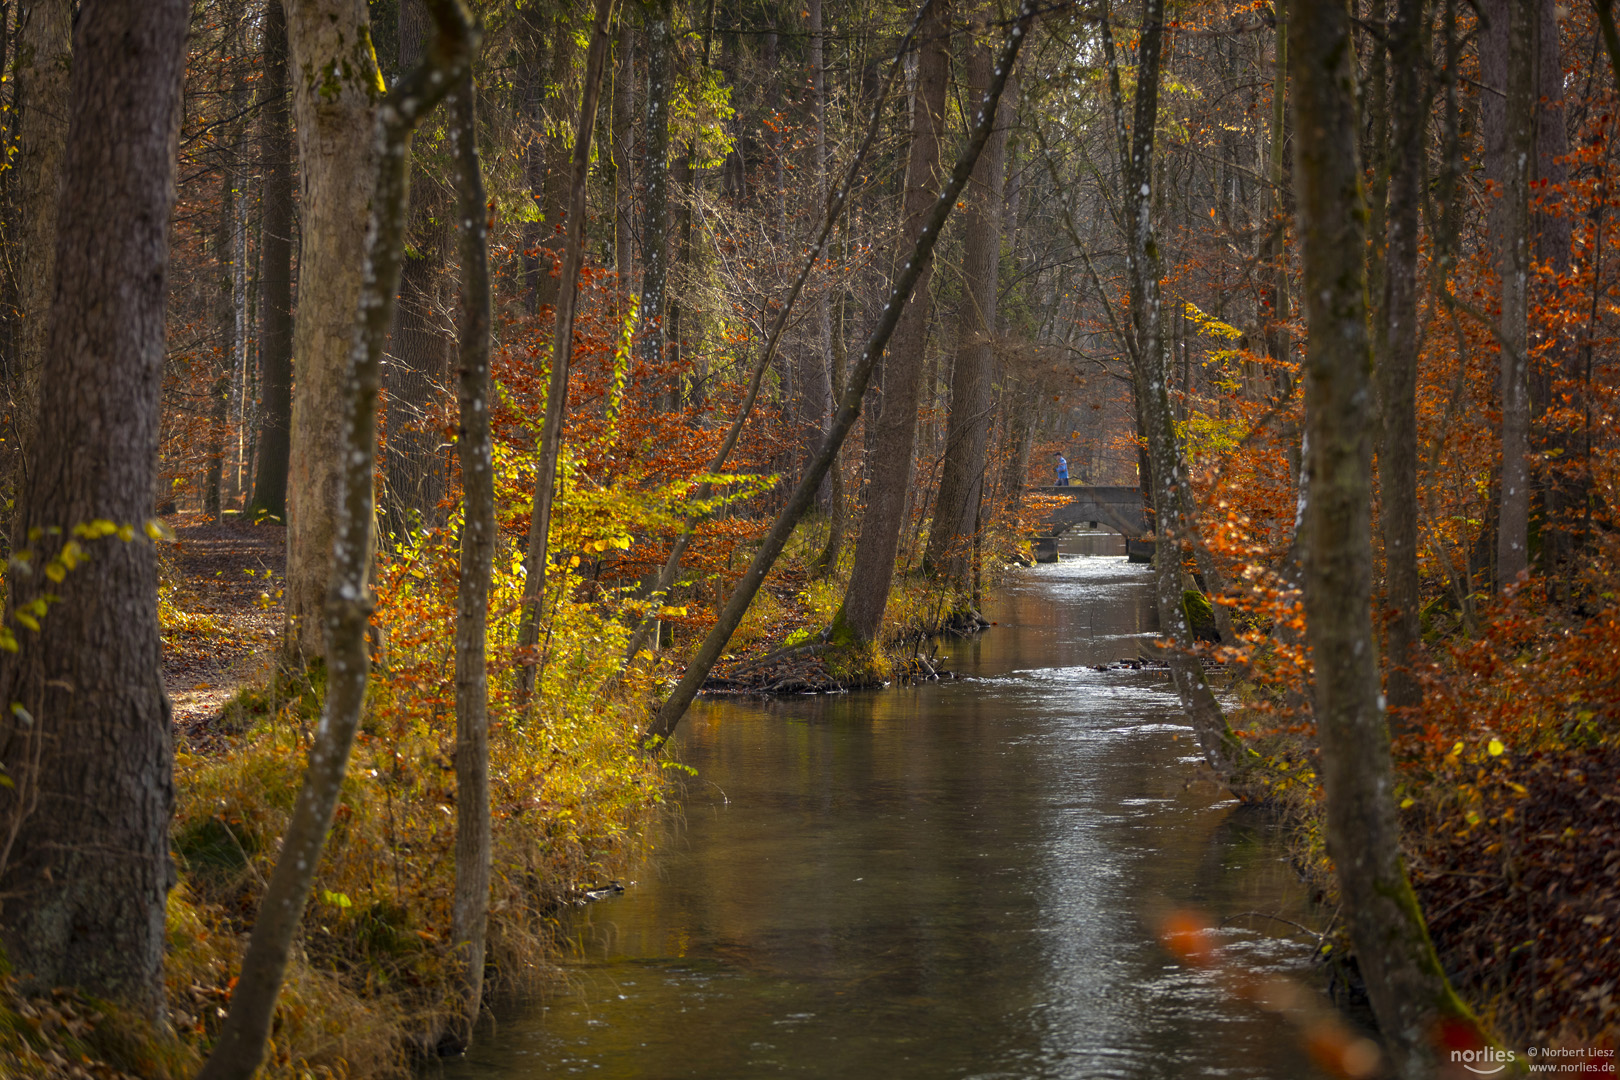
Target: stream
point(958, 879)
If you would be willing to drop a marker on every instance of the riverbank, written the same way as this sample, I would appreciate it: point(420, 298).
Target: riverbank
point(1508, 788)
point(367, 991)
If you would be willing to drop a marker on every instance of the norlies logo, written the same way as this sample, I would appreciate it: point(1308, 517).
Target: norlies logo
point(1489, 1056)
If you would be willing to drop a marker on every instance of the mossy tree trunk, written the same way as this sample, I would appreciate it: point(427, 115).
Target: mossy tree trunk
point(1410, 994)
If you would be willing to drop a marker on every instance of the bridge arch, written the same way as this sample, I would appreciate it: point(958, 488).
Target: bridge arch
point(1118, 508)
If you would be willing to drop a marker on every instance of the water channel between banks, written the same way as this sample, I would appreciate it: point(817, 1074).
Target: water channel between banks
point(958, 879)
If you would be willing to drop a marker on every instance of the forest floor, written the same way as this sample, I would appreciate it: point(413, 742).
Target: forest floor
point(222, 586)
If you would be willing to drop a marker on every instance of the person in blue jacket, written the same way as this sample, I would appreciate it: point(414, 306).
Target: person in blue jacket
point(1062, 471)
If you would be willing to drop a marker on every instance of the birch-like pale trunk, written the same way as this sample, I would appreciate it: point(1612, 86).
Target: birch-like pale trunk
point(242, 1041)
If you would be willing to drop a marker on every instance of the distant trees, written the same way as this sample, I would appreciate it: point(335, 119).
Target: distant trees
point(86, 740)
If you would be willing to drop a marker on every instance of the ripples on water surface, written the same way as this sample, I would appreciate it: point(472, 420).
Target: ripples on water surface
point(952, 880)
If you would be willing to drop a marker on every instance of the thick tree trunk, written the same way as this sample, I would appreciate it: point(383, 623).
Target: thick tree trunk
point(894, 437)
point(1397, 464)
point(967, 429)
point(562, 349)
point(44, 52)
point(1409, 992)
point(470, 910)
point(242, 1041)
point(336, 87)
point(275, 276)
point(86, 742)
point(849, 407)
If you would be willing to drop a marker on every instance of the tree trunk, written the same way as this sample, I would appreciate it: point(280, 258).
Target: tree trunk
point(967, 430)
point(1397, 464)
point(470, 910)
point(1409, 992)
point(44, 52)
point(655, 229)
point(674, 707)
point(275, 277)
point(418, 350)
point(241, 1046)
point(224, 326)
point(624, 173)
point(1513, 521)
point(823, 384)
point(562, 349)
point(87, 744)
point(896, 427)
point(548, 154)
point(1150, 362)
point(335, 94)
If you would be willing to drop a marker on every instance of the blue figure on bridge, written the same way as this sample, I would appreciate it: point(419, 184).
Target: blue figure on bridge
point(1062, 471)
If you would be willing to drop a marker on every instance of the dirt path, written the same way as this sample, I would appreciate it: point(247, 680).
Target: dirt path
point(225, 582)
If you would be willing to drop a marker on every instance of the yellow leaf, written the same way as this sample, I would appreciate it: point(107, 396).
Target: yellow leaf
point(1495, 747)
point(671, 612)
point(55, 571)
point(27, 620)
point(126, 533)
point(1406, 803)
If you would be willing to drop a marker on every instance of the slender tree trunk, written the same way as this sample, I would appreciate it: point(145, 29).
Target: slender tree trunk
point(242, 1041)
point(623, 149)
point(334, 94)
point(224, 327)
point(418, 350)
point(655, 228)
point(549, 155)
point(1397, 464)
point(967, 431)
point(275, 278)
point(86, 741)
point(562, 349)
point(1513, 522)
point(1409, 992)
point(44, 52)
point(824, 381)
point(1563, 492)
point(804, 494)
point(470, 910)
point(1174, 524)
point(894, 440)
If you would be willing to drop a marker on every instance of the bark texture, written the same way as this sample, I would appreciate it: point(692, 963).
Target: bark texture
point(849, 407)
point(470, 907)
point(967, 430)
point(1397, 463)
point(84, 833)
point(275, 275)
point(895, 429)
point(44, 54)
point(335, 90)
point(241, 1046)
point(655, 222)
point(1409, 992)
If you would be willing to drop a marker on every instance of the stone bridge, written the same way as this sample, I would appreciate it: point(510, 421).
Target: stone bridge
point(1117, 508)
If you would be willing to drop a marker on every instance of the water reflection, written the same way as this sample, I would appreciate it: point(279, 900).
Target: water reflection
point(954, 880)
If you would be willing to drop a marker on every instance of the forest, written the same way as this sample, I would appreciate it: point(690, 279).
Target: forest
point(412, 407)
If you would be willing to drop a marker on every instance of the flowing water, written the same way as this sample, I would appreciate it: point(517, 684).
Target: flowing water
point(959, 879)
